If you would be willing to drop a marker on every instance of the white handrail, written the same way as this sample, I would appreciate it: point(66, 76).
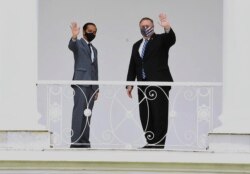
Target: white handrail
point(63, 82)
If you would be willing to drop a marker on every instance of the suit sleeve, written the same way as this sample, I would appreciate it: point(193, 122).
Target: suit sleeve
point(169, 38)
point(97, 71)
point(72, 45)
point(132, 68)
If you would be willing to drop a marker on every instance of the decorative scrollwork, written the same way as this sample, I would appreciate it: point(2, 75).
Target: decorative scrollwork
point(55, 90)
point(120, 116)
point(107, 136)
point(203, 113)
point(68, 93)
point(149, 135)
point(190, 95)
point(55, 112)
point(152, 95)
point(204, 92)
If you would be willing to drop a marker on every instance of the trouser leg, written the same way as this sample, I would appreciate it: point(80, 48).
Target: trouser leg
point(154, 113)
point(80, 123)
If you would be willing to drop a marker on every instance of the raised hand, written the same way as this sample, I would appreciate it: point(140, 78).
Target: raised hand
point(164, 21)
point(75, 30)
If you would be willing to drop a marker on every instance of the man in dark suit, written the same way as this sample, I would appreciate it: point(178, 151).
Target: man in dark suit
point(149, 62)
point(85, 68)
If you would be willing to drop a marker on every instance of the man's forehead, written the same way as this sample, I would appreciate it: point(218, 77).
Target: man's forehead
point(91, 27)
point(146, 22)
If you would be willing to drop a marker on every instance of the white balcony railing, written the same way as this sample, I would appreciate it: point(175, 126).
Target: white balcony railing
point(193, 112)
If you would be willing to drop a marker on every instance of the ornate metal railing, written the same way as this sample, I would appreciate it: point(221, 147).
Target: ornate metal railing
point(194, 109)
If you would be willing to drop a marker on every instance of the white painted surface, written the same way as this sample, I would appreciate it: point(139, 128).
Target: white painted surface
point(18, 72)
point(196, 56)
point(236, 94)
point(24, 139)
point(95, 155)
point(227, 142)
point(151, 161)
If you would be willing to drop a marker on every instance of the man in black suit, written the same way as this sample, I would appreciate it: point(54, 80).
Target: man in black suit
point(85, 68)
point(149, 62)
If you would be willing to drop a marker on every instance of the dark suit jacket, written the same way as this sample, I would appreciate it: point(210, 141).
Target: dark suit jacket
point(155, 61)
point(84, 68)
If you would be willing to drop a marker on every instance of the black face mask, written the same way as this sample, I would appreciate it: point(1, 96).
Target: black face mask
point(90, 36)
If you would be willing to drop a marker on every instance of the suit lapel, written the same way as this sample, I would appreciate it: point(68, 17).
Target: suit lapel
point(137, 49)
point(149, 48)
point(85, 45)
point(95, 53)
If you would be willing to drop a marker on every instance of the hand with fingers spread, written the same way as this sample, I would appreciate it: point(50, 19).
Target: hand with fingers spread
point(75, 30)
point(164, 21)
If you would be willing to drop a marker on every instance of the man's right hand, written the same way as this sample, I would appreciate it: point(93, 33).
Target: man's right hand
point(75, 30)
point(129, 91)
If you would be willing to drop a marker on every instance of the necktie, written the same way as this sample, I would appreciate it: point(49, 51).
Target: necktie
point(89, 44)
point(91, 53)
point(144, 48)
point(142, 55)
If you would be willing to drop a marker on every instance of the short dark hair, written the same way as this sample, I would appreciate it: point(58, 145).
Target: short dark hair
point(87, 24)
point(146, 18)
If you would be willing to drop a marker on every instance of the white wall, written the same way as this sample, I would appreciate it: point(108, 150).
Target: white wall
point(197, 55)
point(236, 67)
point(18, 28)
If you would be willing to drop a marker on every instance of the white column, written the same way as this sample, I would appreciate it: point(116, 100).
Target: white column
point(236, 70)
point(18, 51)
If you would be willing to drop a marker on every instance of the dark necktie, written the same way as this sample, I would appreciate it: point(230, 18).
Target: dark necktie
point(90, 45)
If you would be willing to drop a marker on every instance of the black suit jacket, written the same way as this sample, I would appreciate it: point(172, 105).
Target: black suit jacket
point(155, 61)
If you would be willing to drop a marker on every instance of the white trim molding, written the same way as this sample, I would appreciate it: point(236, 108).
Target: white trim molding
point(113, 161)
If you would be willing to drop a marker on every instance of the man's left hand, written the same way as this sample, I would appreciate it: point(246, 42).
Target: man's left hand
point(96, 96)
